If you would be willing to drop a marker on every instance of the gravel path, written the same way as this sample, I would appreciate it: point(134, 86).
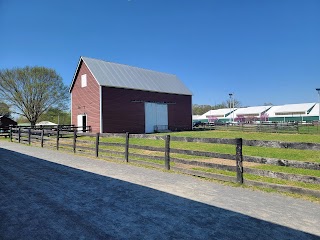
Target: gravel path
point(46, 194)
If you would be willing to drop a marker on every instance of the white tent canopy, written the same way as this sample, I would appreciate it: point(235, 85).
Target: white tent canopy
point(291, 110)
point(218, 112)
point(46, 123)
point(251, 110)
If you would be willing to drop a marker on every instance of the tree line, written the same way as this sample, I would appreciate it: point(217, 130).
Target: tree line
point(198, 109)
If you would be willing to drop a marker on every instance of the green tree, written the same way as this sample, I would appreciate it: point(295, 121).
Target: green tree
point(200, 109)
point(21, 119)
point(56, 115)
point(31, 91)
point(5, 110)
point(219, 106)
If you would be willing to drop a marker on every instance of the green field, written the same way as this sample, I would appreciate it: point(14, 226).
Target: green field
point(288, 154)
point(250, 136)
point(277, 153)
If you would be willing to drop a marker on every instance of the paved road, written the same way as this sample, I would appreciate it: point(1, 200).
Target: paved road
point(46, 194)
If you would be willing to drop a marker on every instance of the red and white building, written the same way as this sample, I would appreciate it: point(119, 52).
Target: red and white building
point(115, 98)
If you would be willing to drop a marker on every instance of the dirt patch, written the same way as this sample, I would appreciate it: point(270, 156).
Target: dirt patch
point(226, 162)
point(220, 161)
point(149, 153)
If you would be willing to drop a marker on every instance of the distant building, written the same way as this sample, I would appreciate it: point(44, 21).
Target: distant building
point(46, 123)
point(5, 122)
point(115, 98)
point(251, 114)
point(303, 112)
point(223, 114)
point(213, 115)
point(294, 112)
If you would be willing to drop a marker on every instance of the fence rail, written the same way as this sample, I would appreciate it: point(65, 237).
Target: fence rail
point(128, 150)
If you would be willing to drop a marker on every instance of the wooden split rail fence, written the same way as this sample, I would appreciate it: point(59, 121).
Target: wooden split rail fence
point(129, 149)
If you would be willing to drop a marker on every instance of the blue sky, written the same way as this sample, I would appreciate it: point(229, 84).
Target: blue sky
point(260, 50)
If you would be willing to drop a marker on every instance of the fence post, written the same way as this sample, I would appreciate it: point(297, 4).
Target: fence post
point(126, 153)
point(58, 133)
point(239, 160)
point(29, 136)
point(97, 144)
point(167, 153)
point(74, 140)
point(19, 134)
point(42, 135)
point(10, 134)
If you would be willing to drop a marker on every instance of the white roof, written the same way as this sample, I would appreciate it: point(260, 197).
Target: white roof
point(251, 110)
point(292, 108)
point(48, 123)
point(123, 76)
point(271, 111)
point(301, 107)
point(196, 117)
point(315, 110)
point(218, 112)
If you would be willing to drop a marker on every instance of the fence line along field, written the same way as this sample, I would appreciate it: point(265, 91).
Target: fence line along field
point(285, 162)
point(287, 127)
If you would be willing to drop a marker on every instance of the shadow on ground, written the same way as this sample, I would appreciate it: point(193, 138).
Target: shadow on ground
point(44, 200)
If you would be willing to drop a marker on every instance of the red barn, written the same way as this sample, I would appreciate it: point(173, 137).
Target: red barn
point(115, 98)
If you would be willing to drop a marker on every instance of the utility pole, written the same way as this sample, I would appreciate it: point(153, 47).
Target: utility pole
point(230, 103)
point(232, 106)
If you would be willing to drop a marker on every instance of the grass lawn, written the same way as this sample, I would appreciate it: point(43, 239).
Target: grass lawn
point(262, 179)
point(250, 136)
point(289, 154)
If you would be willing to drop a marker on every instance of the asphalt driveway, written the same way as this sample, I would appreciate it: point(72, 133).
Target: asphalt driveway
point(46, 194)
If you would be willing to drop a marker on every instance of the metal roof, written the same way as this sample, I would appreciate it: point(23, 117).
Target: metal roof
point(308, 109)
point(315, 110)
point(252, 110)
point(291, 109)
point(217, 112)
point(301, 107)
point(46, 123)
point(123, 76)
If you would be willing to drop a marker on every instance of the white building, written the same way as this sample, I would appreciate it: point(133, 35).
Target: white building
point(307, 112)
point(248, 114)
point(294, 112)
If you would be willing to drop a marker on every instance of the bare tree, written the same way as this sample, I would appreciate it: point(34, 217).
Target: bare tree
point(229, 103)
point(32, 90)
point(4, 110)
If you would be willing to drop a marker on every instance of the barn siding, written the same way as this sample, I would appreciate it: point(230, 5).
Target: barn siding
point(87, 99)
point(123, 110)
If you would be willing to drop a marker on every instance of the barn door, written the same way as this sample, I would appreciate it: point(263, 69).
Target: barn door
point(156, 115)
point(82, 123)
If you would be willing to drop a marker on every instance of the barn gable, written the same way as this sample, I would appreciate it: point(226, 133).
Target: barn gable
point(85, 99)
point(123, 76)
